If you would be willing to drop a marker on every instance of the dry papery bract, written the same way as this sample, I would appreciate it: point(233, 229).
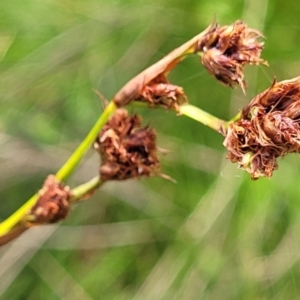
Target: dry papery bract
point(153, 88)
point(227, 49)
point(224, 50)
point(161, 93)
point(127, 150)
point(53, 203)
point(269, 128)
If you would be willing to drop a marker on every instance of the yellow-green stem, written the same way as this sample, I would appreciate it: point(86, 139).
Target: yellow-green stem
point(234, 119)
point(84, 189)
point(201, 116)
point(17, 216)
point(65, 171)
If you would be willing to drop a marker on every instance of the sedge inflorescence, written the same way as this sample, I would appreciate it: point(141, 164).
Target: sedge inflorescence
point(127, 150)
point(269, 127)
point(226, 50)
point(53, 203)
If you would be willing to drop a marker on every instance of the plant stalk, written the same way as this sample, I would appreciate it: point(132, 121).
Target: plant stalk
point(64, 172)
point(201, 116)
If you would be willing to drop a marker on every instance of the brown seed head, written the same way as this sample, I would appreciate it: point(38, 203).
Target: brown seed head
point(52, 204)
point(161, 93)
point(164, 95)
point(227, 49)
point(126, 149)
point(269, 128)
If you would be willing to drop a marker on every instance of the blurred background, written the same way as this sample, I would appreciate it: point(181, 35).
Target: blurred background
point(215, 234)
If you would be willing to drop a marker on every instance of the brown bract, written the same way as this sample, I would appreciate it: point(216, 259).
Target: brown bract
point(269, 127)
point(160, 92)
point(227, 49)
point(126, 149)
point(52, 204)
point(156, 74)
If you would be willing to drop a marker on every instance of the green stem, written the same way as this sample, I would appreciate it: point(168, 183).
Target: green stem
point(65, 171)
point(201, 116)
point(17, 216)
point(195, 113)
point(234, 119)
point(84, 189)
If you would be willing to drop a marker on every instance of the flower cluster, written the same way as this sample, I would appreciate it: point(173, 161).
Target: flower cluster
point(227, 49)
point(52, 205)
point(126, 149)
point(160, 92)
point(269, 128)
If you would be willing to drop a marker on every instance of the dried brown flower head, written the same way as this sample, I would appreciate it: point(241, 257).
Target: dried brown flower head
point(126, 149)
point(160, 92)
point(269, 127)
point(52, 205)
point(227, 49)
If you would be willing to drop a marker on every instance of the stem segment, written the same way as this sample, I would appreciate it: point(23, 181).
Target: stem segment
point(85, 189)
point(201, 116)
point(65, 171)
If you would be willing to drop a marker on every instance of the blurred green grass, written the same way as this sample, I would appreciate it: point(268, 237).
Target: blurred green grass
point(215, 234)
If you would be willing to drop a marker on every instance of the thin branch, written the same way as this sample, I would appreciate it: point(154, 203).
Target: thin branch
point(67, 169)
point(64, 172)
point(85, 190)
point(13, 227)
point(201, 116)
point(132, 88)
